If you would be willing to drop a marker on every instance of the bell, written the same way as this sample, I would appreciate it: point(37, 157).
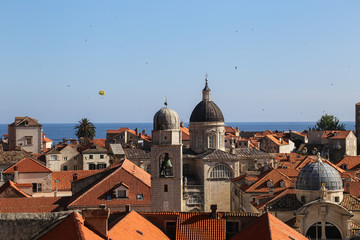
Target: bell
point(167, 161)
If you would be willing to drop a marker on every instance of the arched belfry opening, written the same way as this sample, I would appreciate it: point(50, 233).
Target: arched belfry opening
point(327, 231)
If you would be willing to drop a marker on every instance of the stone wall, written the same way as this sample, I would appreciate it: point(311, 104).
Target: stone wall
point(21, 226)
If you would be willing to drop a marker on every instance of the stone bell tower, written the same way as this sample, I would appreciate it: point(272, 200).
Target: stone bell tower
point(166, 162)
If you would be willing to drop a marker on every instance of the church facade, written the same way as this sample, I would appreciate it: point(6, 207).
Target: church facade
point(195, 178)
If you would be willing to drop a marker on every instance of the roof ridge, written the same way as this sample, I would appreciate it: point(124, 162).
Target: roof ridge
point(96, 184)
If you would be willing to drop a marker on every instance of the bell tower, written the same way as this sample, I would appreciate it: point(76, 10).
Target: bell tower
point(166, 162)
point(357, 120)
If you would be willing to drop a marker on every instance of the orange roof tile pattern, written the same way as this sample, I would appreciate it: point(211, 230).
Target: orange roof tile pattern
point(335, 134)
point(11, 186)
point(135, 226)
point(269, 227)
point(126, 174)
point(277, 141)
point(200, 226)
point(45, 139)
point(31, 205)
point(349, 163)
point(63, 179)
point(275, 176)
point(72, 227)
point(99, 141)
point(28, 165)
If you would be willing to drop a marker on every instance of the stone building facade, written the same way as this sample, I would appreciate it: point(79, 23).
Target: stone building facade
point(26, 133)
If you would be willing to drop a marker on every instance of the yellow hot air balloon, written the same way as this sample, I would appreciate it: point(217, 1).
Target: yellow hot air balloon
point(102, 93)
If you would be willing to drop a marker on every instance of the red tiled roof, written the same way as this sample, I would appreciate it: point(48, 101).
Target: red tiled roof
point(200, 226)
point(261, 185)
point(135, 226)
point(120, 130)
point(230, 130)
point(14, 188)
point(268, 227)
point(30, 205)
point(100, 141)
point(138, 180)
point(185, 133)
point(28, 165)
point(353, 188)
point(276, 140)
point(72, 227)
point(339, 134)
point(352, 162)
point(45, 139)
point(65, 178)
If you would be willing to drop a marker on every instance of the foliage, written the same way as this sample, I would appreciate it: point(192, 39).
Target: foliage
point(85, 129)
point(328, 122)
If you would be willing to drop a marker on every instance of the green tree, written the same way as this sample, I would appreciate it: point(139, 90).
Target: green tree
point(85, 130)
point(328, 122)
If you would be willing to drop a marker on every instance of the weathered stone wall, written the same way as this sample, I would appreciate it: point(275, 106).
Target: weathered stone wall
point(21, 226)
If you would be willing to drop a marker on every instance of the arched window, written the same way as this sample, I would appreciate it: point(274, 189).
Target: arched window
point(221, 171)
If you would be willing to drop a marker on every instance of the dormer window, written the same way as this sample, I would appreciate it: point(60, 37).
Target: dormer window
point(121, 192)
point(282, 184)
point(269, 183)
point(344, 166)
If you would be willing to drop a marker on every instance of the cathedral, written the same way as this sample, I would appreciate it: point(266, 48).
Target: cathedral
point(191, 179)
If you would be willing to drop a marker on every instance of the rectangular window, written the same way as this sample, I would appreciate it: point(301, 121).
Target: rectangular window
point(121, 194)
point(101, 166)
point(64, 168)
point(91, 157)
point(166, 188)
point(28, 140)
point(139, 197)
point(37, 187)
point(65, 158)
point(92, 166)
point(337, 199)
point(101, 156)
point(53, 157)
point(170, 228)
point(75, 158)
point(199, 143)
point(211, 142)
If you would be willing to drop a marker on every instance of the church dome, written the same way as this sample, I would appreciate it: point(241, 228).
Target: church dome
point(166, 119)
point(313, 175)
point(206, 110)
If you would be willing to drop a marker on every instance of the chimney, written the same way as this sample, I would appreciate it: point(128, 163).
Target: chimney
point(97, 219)
point(75, 177)
point(127, 208)
point(181, 124)
point(136, 131)
point(237, 133)
point(213, 208)
point(143, 132)
point(56, 190)
point(16, 174)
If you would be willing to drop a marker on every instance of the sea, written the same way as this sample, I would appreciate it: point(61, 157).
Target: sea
point(58, 131)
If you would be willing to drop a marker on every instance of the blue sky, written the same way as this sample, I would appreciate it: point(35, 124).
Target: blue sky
point(295, 60)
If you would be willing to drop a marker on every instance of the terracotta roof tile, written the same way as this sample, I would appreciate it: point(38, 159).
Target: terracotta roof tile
point(272, 175)
point(200, 226)
point(28, 165)
point(135, 226)
point(100, 141)
point(268, 227)
point(64, 178)
point(11, 186)
point(351, 163)
point(127, 174)
point(339, 134)
point(32, 205)
point(350, 202)
point(72, 227)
